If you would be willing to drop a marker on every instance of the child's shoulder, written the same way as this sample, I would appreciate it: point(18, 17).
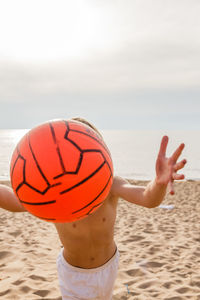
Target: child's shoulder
point(118, 182)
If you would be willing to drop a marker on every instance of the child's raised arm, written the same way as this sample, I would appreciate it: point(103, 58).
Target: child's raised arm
point(153, 194)
point(149, 196)
point(9, 201)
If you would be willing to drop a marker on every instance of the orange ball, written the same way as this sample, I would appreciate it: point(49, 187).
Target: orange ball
point(61, 171)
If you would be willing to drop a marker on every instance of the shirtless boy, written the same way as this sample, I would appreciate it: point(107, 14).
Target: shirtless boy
point(88, 262)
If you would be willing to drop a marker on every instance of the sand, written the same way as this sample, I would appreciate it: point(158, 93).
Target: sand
point(159, 251)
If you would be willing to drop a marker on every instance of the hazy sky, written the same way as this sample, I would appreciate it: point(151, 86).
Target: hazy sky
point(129, 64)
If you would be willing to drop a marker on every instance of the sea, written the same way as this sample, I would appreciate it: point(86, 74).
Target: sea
point(133, 152)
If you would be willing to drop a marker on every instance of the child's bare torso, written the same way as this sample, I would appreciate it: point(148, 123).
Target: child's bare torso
point(89, 243)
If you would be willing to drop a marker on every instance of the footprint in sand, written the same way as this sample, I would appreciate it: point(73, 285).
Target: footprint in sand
point(135, 272)
point(182, 290)
point(36, 277)
point(135, 238)
point(41, 293)
point(18, 282)
point(196, 283)
point(153, 250)
point(5, 292)
point(15, 233)
point(25, 289)
point(154, 264)
point(147, 284)
point(129, 283)
point(168, 284)
point(4, 254)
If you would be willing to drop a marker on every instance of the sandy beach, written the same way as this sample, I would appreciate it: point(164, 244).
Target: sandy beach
point(159, 251)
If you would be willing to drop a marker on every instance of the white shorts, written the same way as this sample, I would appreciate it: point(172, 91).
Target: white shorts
point(85, 284)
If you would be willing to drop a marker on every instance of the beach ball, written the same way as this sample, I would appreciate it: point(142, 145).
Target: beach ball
point(61, 171)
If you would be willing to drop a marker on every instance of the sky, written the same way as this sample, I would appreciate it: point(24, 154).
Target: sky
point(122, 64)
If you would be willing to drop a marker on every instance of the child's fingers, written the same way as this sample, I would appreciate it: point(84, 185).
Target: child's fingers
point(171, 187)
point(180, 165)
point(177, 153)
point(163, 146)
point(176, 176)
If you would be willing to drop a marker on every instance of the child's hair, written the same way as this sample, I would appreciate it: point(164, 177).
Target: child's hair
point(84, 121)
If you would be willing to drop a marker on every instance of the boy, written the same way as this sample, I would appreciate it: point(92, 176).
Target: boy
point(88, 262)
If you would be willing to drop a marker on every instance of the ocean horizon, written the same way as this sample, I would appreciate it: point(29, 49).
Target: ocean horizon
point(133, 152)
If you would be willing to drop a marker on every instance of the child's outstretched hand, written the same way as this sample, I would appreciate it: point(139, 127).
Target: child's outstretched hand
point(167, 167)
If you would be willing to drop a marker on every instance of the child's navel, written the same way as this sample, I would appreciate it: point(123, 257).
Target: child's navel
point(92, 258)
point(104, 219)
